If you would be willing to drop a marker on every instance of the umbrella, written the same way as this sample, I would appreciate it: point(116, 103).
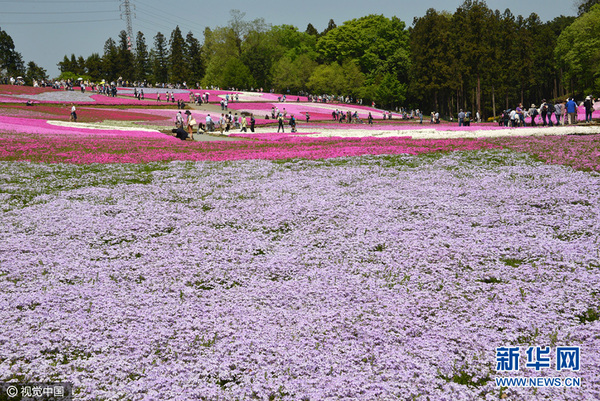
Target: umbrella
point(19, 77)
point(80, 79)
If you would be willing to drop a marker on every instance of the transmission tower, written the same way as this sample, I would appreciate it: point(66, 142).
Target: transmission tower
point(125, 9)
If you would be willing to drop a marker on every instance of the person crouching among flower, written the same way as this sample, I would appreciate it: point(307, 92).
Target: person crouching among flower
point(181, 133)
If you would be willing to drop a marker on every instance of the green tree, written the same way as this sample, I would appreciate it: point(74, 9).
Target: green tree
point(142, 58)
point(557, 25)
point(81, 67)
point(471, 25)
point(238, 27)
point(236, 75)
point(109, 60)
point(75, 67)
point(35, 72)
point(326, 78)
point(336, 79)
point(432, 80)
point(194, 59)
point(220, 45)
point(511, 61)
point(125, 59)
point(289, 41)
point(293, 74)
point(390, 92)
point(11, 61)
point(94, 66)
point(66, 65)
point(585, 6)
point(258, 52)
point(330, 27)
point(73, 77)
point(578, 52)
point(540, 74)
point(311, 30)
point(377, 43)
point(159, 59)
point(177, 57)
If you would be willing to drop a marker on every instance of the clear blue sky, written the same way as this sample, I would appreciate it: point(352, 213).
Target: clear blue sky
point(40, 33)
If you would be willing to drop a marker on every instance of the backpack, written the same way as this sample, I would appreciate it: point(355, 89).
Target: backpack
point(550, 108)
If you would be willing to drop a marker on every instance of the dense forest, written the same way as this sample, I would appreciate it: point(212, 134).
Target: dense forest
point(476, 58)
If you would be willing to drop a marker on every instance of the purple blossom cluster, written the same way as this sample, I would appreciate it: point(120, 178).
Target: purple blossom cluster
point(367, 278)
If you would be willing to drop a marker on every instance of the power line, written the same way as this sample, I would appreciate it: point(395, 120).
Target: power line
point(154, 23)
point(177, 17)
point(148, 28)
point(164, 19)
point(172, 15)
point(57, 12)
point(59, 22)
point(58, 1)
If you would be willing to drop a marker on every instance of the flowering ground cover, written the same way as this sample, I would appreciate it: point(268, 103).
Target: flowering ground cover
point(317, 111)
point(365, 278)
point(120, 101)
point(85, 114)
point(578, 151)
point(141, 267)
point(55, 144)
point(23, 90)
point(214, 96)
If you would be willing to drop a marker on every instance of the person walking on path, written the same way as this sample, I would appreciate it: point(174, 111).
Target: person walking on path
point(544, 112)
point(461, 118)
point(533, 112)
point(280, 120)
point(244, 124)
point(73, 113)
point(191, 121)
point(252, 122)
point(588, 109)
point(551, 110)
point(179, 119)
point(558, 111)
point(572, 111)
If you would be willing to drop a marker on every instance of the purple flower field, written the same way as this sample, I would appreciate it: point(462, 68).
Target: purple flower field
point(367, 278)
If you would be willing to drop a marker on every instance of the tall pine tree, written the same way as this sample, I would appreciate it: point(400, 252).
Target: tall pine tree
point(177, 59)
point(109, 60)
point(159, 58)
point(142, 63)
point(125, 60)
point(195, 62)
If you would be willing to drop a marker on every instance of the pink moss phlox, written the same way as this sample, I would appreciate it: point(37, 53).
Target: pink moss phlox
point(581, 152)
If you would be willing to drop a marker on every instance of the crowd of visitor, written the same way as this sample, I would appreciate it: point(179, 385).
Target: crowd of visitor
point(547, 114)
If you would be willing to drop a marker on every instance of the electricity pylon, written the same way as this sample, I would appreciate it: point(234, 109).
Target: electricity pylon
point(125, 9)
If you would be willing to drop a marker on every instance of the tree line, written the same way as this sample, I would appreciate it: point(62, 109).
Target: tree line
point(484, 60)
point(476, 58)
